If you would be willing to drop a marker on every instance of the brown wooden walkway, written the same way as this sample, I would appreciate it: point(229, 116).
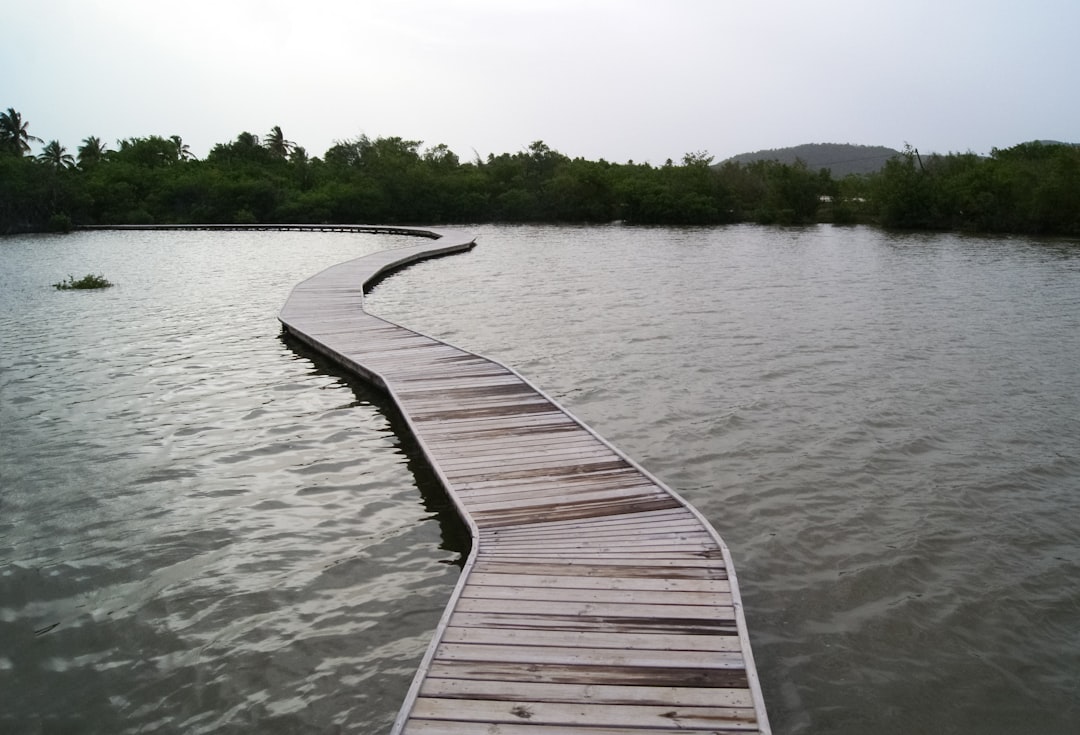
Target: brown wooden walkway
point(595, 600)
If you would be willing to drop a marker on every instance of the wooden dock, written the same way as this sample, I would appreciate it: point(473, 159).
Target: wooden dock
point(373, 229)
point(594, 600)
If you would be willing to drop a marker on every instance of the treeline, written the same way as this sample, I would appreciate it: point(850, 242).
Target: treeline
point(1029, 188)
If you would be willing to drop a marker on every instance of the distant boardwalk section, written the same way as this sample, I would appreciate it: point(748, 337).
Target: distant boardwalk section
point(595, 600)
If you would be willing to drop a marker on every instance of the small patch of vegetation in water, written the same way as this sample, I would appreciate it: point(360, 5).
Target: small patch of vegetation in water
point(86, 282)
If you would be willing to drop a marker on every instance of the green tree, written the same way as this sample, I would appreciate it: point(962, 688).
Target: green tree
point(580, 191)
point(697, 158)
point(245, 150)
point(151, 152)
point(15, 137)
point(299, 156)
point(183, 150)
point(91, 152)
point(25, 194)
point(441, 157)
point(793, 192)
point(344, 153)
point(903, 192)
point(56, 155)
point(275, 142)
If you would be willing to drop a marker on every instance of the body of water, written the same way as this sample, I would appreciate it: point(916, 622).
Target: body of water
point(203, 530)
point(885, 429)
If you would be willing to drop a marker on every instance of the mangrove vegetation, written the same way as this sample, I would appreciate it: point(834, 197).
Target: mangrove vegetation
point(1028, 188)
point(87, 282)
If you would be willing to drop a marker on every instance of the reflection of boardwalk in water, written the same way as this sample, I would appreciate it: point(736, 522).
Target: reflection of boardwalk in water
point(594, 599)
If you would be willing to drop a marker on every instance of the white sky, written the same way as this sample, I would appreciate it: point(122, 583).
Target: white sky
point(615, 79)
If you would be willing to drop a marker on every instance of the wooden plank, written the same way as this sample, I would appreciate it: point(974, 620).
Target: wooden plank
point(494, 405)
point(522, 486)
point(584, 714)
point(515, 462)
point(541, 533)
point(569, 510)
point(573, 540)
point(442, 425)
point(590, 567)
point(592, 624)
point(480, 579)
point(446, 727)
point(590, 609)
point(570, 656)
point(655, 537)
point(602, 476)
point(509, 691)
point(485, 456)
point(580, 640)
point(594, 475)
point(614, 522)
point(579, 594)
point(676, 676)
point(673, 549)
point(617, 556)
point(493, 448)
point(522, 501)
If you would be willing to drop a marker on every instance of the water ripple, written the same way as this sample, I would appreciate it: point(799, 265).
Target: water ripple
point(200, 529)
point(882, 427)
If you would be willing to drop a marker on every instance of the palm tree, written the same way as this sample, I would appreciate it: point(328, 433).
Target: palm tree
point(91, 151)
point(56, 155)
point(183, 150)
point(298, 155)
point(14, 137)
point(275, 143)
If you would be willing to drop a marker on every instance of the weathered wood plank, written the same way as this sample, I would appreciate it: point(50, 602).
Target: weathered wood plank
point(509, 691)
point(677, 676)
point(589, 609)
point(446, 727)
point(592, 624)
point(525, 501)
point(590, 567)
point(576, 541)
point(585, 714)
point(625, 551)
point(635, 520)
point(594, 477)
point(578, 594)
point(484, 579)
point(557, 511)
point(568, 656)
point(582, 640)
point(485, 456)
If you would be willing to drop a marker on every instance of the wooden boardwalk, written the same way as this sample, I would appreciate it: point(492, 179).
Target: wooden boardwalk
point(376, 229)
point(594, 600)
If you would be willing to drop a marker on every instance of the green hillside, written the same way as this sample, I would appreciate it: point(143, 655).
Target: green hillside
point(840, 158)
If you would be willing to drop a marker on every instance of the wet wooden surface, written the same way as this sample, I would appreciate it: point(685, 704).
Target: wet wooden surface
point(595, 599)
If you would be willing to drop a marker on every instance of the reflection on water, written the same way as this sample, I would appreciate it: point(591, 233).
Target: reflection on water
point(884, 428)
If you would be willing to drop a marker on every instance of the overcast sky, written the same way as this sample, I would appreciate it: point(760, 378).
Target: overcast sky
point(616, 79)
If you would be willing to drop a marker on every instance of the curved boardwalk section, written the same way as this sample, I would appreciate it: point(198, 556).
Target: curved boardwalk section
point(595, 600)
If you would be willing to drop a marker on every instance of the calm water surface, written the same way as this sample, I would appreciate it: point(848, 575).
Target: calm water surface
point(203, 530)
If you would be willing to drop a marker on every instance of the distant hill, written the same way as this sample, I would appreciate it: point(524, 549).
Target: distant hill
point(840, 158)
